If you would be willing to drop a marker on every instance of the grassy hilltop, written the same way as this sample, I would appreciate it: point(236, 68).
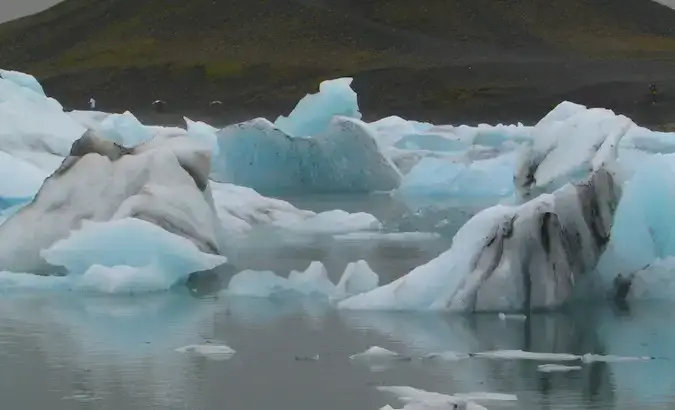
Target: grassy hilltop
point(446, 59)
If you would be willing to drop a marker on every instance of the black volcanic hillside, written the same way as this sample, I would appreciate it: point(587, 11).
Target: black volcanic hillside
point(254, 50)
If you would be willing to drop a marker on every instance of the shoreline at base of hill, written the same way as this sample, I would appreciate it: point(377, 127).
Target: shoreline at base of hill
point(499, 92)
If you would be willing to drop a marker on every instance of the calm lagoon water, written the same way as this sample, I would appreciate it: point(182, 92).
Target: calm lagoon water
point(76, 351)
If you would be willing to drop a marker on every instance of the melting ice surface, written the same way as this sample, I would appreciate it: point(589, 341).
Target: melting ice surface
point(95, 203)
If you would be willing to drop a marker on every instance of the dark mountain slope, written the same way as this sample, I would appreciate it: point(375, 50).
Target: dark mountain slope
point(439, 55)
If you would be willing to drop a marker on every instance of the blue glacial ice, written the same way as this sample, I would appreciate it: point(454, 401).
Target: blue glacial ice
point(18, 190)
point(344, 158)
point(23, 80)
point(581, 159)
point(161, 182)
point(314, 112)
point(357, 278)
point(434, 177)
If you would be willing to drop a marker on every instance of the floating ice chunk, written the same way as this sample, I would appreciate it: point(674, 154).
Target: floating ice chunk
point(390, 130)
point(523, 355)
point(312, 282)
point(436, 177)
point(447, 356)
point(504, 316)
point(344, 158)
point(417, 399)
point(332, 222)
point(485, 396)
point(23, 80)
point(210, 351)
point(161, 182)
point(133, 243)
point(315, 111)
point(376, 353)
point(240, 209)
point(261, 284)
point(567, 150)
point(357, 278)
point(124, 129)
point(20, 180)
point(127, 279)
point(557, 368)
point(447, 138)
point(593, 358)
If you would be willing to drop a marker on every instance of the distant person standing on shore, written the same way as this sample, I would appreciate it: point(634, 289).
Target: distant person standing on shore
point(92, 103)
point(653, 91)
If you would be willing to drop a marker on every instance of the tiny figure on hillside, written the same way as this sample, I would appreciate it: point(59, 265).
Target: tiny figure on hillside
point(653, 92)
point(92, 104)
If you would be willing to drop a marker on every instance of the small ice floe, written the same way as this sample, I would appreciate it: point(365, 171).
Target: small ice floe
point(484, 396)
point(378, 353)
point(313, 358)
point(446, 356)
point(82, 396)
point(504, 316)
point(416, 399)
point(593, 358)
point(557, 368)
point(210, 351)
point(523, 355)
point(379, 359)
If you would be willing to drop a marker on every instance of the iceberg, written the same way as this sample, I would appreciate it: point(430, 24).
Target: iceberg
point(390, 130)
point(124, 129)
point(567, 144)
point(23, 187)
point(20, 106)
point(344, 158)
point(163, 182)
point(314, 112)
point(242, 209)
point(448, 138)
point(23, 80)
point(313, 282)
point(511, 258)
point(432, 177)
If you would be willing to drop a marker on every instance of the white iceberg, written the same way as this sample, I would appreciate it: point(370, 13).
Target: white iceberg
point(23, 80)
point(313, 282)
point(523, 355)
point(314, 112)
point(511, 258)
point(357, 278)
point(124, 129)
point(566, 148)
point(163, 182)
point(20, 106)
point(242, 209)
point(344, 158)
point(376, 353)
point(390, 130)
